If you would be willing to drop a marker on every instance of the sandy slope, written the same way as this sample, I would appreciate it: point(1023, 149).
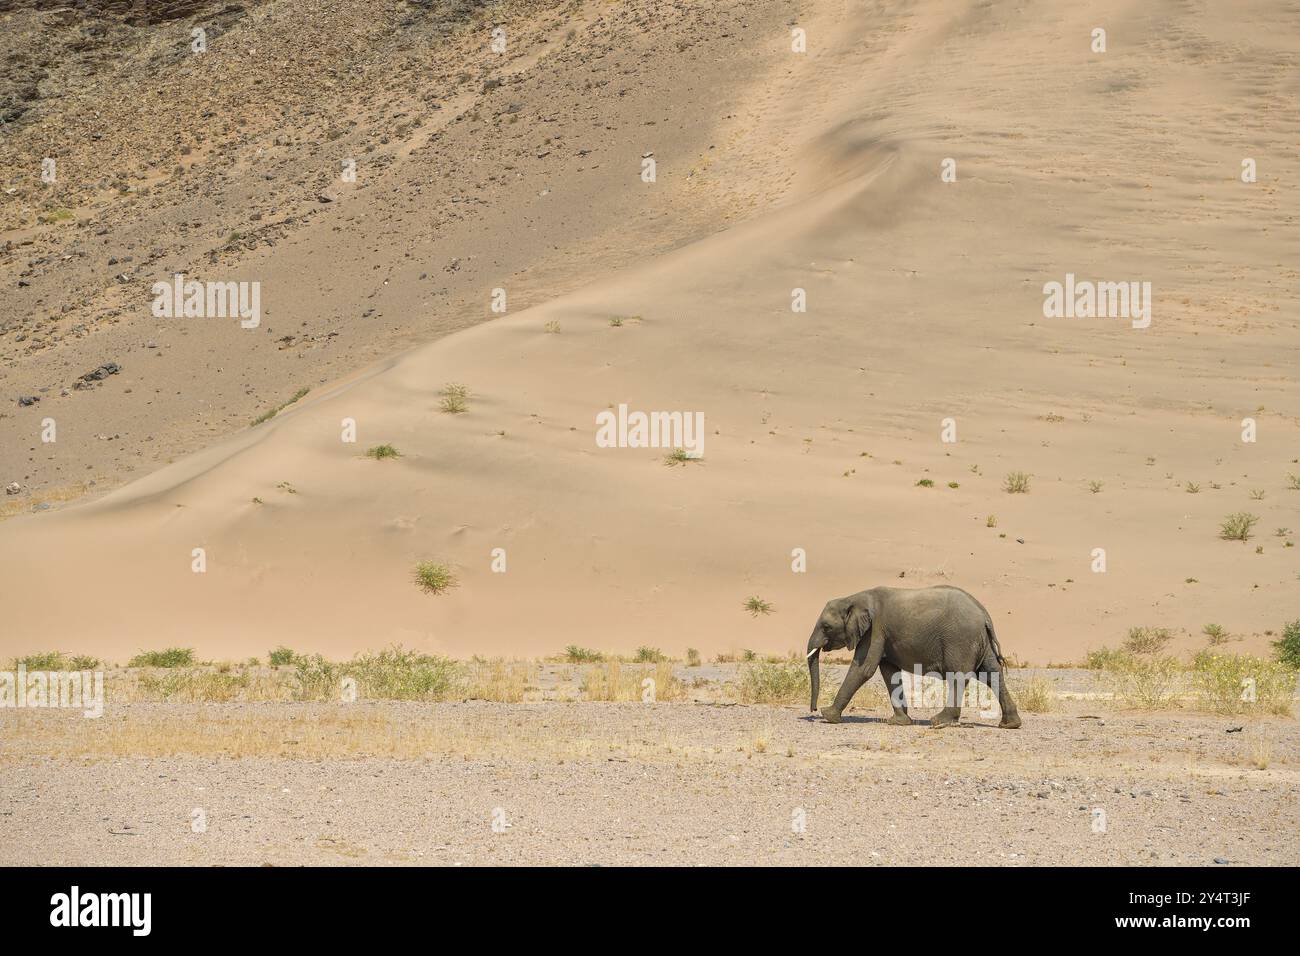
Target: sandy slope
point(924, 303)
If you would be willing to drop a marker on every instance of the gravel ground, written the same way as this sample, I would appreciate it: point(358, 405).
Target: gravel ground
point(599, 783)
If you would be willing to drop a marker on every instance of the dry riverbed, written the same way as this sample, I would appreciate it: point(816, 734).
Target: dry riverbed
point(691, 782)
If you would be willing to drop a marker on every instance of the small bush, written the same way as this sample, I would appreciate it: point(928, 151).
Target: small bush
point(1034, 695)
point(42, 661)
point(391, 674)
point(171, 657)
point(281, 656)
point(192, 685)
point(552, 327)
point(582, 655)
point(1147, 640)
point(1192, 488)
point(616, 321)
point(57, 661)
point(679, 456)
point(756, 606)
point(1215, 633)
point(1241, 684)
point(783, 683)
point(1147, 683)
point(692, 657)
point(455, 398)
point(434, 578)
point(614, 682)
point(925, 483)
point(648, 655)
point(1016, 483)
point(1105, 657)
point(1293, 482)
point(505, 682)
point(1237, 527)
point(991, 521)
point(1287, 649)
point(380, 452)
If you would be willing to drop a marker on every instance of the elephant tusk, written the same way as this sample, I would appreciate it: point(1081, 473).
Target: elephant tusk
point(811, 653)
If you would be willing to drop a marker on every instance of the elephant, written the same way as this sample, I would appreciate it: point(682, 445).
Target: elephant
point(940, 629)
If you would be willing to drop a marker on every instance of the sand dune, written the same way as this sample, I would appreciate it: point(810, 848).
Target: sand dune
point(924, 303)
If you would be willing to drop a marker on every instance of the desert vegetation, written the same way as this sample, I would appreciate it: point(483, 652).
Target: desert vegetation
point(434, 578)
point(455, 398)
point(1237, 526)
point(271, 413)
point(1016, 483)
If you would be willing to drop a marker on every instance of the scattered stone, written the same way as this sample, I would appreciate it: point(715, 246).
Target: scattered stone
point(25, 400)
point(97, 375)
point(13, 488)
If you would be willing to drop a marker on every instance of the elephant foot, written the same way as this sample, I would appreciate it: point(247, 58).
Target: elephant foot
point(900, 720)
point(1011, 722)
point(831, 715)
point(943, 719)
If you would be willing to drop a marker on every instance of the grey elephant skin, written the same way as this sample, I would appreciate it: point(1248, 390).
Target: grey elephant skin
point(940, 629)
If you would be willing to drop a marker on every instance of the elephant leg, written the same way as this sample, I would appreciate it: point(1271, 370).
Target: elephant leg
point(954, 691)
point(865, 661)
point(897, 698)
point(996, 680)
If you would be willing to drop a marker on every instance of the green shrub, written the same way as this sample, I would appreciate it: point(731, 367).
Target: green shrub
point(43, 661)
point(434, 578)
point(1287, 649)
point(380, 452)
point(391, 674)
point(1215, 634)
point(455, 398)
point(1241, 684)
point(281, 656)
point(1016, 483)
point(1147, 640)
point(582, 655)
point(784, 683)
point(648, 655)
point(1237, 527)
point(1147, 683)
point(171, 657)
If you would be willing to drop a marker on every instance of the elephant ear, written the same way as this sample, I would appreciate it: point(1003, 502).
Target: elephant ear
point(857, 625)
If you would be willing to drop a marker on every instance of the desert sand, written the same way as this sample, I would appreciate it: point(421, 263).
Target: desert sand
point(776, 171)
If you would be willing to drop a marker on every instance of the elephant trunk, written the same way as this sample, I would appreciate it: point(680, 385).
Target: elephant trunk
point(815, 644)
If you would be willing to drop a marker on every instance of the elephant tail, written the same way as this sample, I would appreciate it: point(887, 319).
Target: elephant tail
point(993, 641)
